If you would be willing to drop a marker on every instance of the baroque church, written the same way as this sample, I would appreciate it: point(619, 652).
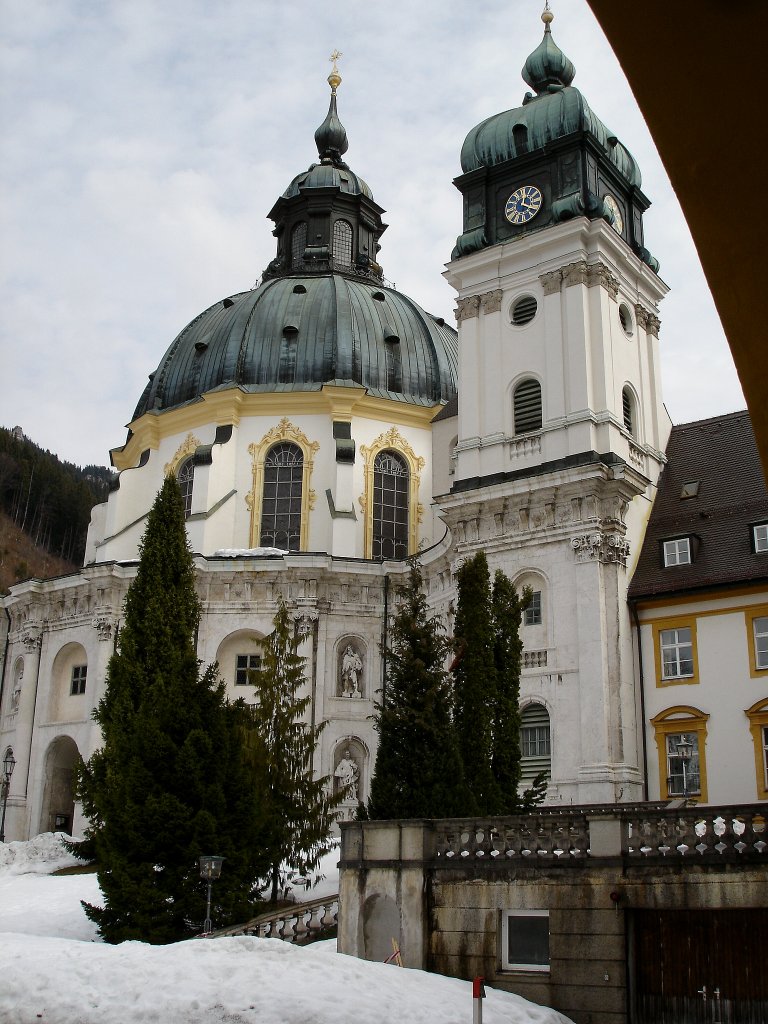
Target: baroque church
point(323, 427)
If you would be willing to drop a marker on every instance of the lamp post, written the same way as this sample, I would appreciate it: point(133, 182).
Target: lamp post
point(9, 763)
point(210, 870)
point(685, 753)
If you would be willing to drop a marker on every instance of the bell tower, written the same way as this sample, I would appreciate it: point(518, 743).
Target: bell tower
point(561, 425)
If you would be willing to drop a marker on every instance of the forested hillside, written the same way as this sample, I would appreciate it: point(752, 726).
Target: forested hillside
point(48, 500)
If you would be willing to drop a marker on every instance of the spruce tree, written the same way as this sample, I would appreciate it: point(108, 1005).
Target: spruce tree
point(476, 681)
point(170, 782)
point(418, 770)
point(298, 809)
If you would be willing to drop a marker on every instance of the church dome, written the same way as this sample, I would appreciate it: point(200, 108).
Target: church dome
point(323, 313)
point(299, 332)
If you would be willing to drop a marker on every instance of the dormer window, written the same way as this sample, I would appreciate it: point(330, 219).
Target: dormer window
point(760, 537)
point(677, 551)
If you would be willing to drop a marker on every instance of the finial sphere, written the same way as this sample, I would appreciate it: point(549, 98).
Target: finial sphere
point(547, 16)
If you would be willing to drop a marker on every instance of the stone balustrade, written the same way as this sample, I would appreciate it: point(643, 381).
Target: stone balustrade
point(300, 923)
point(635, 832)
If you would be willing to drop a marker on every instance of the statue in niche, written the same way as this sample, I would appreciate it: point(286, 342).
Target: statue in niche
point(351, 671)
point(16, 696)
point(348, 775)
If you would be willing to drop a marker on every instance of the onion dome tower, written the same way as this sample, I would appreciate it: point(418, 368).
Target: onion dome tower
point(323, 313)
point(580, 167)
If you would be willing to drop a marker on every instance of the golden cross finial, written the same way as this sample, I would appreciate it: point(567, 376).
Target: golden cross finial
point(334, 79)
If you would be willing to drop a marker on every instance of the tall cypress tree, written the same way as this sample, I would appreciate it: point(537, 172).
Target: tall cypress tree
point(170, 781)
point(298, 808)
point(507, 651)
point(418, 770)
point(476, 681)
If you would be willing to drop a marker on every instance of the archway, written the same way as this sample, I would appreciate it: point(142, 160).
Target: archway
point(58, 809)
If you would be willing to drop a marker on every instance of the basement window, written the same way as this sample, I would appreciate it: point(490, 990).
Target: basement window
point(525, 940)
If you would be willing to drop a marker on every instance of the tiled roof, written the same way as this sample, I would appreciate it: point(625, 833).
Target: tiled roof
point(721, 454)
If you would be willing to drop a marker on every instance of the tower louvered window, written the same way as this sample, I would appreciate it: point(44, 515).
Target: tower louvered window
point(281, 505)
point(298, 243)
point(626, 403)
point(390, 506)
point(342, 243)
point(527, 407)
point(535, 746)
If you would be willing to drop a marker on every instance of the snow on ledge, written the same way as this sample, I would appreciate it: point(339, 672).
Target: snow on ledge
point(250, 553)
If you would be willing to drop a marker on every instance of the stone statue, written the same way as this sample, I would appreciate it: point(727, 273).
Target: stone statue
point(348, 774)
point(351, 670)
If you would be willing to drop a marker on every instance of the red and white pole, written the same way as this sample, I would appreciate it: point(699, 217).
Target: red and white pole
point(478, 995)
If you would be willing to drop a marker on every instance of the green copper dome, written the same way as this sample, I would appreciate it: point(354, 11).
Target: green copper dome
point(297, 333)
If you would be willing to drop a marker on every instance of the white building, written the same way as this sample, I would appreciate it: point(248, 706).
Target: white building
point(327, 415)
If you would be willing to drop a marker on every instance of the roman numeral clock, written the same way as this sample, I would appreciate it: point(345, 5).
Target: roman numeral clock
point(523, 205)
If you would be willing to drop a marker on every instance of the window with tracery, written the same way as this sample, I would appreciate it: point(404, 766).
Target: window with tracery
point(186, 479)
point(298, 243)
point(342, 243)
point(390, 506)
point(281, 504)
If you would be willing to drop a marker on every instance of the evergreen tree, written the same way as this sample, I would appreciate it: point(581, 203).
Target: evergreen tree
point(487, 680)
point(170, 781)
point(418, 769)
point(508, 650)
point(298, 808)
point(476, 681)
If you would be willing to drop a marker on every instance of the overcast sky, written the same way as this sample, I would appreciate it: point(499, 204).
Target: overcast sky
point(143, 144)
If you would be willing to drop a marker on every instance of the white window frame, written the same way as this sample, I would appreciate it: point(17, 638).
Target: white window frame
point(670, 640)
point(506, 963)
point(692, 771)
point(532, 613)
point(677, 551)
point(758, 634)
point(760, 537)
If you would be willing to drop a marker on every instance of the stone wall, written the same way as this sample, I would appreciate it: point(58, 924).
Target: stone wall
point(443, 890)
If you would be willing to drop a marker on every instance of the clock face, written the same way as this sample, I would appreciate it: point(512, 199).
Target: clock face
point(523, 205)
point(611, 204)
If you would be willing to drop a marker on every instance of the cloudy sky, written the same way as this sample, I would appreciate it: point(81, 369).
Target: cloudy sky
point(144, 142)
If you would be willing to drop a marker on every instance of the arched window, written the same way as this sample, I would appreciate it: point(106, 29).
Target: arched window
point(390, 506)
point(281, 504)
point(342, 243)
point(527, 406)
point(535, 748)
point(628, 410)
point(186, 478)
point(298, 243)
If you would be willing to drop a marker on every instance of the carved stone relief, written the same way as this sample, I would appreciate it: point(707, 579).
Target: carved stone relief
point(490, 302)
point(647, 320)
point(600, 547)
point(599, 274)
point(468, 307)
point(575, 273)
point(551, 282)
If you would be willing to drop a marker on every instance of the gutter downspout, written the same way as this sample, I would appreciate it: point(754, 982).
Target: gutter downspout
point(636, 620)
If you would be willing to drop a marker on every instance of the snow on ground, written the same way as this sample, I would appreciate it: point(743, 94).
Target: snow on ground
point(54, 969)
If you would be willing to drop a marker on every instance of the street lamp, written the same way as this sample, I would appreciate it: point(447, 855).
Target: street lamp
point(9, 763)
point(685, 753)
point(210, 870)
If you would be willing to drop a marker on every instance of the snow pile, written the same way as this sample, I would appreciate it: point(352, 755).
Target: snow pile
point(43, 854)
point(54, 970)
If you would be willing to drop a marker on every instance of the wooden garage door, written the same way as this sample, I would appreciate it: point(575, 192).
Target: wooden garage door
point(699, 967)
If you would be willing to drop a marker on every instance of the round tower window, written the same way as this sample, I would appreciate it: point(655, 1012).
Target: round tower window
point(524, 310)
